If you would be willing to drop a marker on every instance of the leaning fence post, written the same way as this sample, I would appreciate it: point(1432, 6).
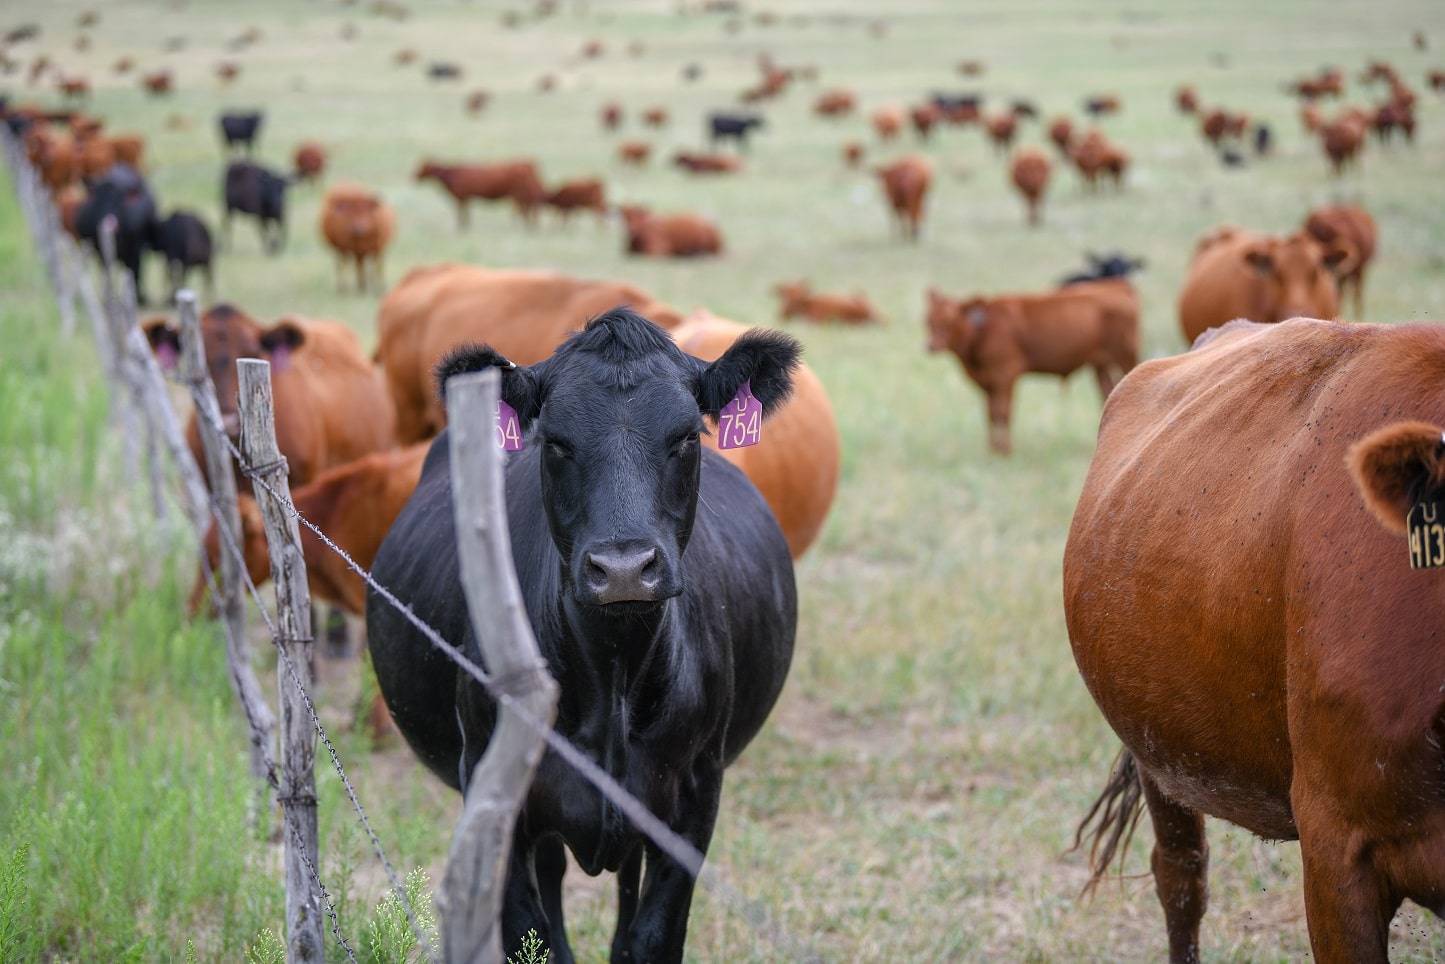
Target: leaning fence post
point(222, 474)
point(471, 898)
point(293, 618)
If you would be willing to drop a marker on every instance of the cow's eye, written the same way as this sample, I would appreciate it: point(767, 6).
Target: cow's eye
point(558, 449)
point(684, 446)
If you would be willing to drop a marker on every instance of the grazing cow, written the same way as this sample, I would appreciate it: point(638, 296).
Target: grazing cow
point(681, 235)
point(634, 153)
point(725, 126)
point(252, 189)
point(121, 192)
point(611, 116)
point(1094, 155)
point(1186, 100)
point(1341, 140)
point(668, 657)
point(525, 314)
point(1001, 130)
point(1030, 174)
point(1101, 105)
point(707, 163)
point(331, 406)
point(1061, 133)
point(1101, 266)
point(1240, 601)
point(887, 122)
point(185, 242)
point(835, 103)
point(905, 186)
point(798, 300)
point(476, 102)
point(76, 87)
point(999, 339)
point(958, 108)
point(923, 117)
point(227, 71)
point(444, 70)
point(309, 161)
point(1265, 278)
point(655, 117)
point(158, 83)
point(585, 194)
point(241, 129)
point(358, 225)
point(516, 180)
point(852, 154)
point(1354, 225)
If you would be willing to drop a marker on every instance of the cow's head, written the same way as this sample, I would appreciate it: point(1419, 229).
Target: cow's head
point(228, 334)
point(1397, 466)
point(1300, 275)
point(426, 169)
point(954, 325)
point(617, 412)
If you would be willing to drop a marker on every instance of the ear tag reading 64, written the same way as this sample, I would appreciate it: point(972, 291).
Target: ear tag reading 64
point(509, 429)
point(1426, 527)
point(740, 423)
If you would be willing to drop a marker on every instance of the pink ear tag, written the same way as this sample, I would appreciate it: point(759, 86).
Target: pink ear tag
point(166, 355)
point(280, 358)
point(740, 422)
point(509, 428)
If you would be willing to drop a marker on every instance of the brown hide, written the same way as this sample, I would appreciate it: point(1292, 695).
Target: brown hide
point(1353, 225)
point(905, 186)
point(358, 225)
point(517, 180)
point(999, 339)
point(523, 314)
point(586, 194)
point(798, 300)
point(1253, 634)
point(1264, 278)
point(669, 235)
point(1030, 174)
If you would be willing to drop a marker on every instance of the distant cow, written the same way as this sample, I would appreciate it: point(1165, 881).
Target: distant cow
point(1241, 604)
point(157, 82)
point(1341, 140)
point(699, 163)
point(185, 242)
point(514, 180)
point(1029, 173)
point(121, 192)
point(358, 225)
point(309, 161)
point(1265, 278)
point(241, 129)
point(260, 192)
point(835, 103)
point(1101, 266)
point(723, 126)
point(999, 339)
point(1061, 133)
point(584, 194)
point(1096, 157)
point(1353, 225)
point(798, 300)
point(1001, 128)
point(679, 235)
point(634, 153)
point(905, 188)
point(888, 121)
point(668, 662)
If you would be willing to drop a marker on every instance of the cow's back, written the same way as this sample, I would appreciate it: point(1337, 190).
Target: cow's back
point(331, 378)
point(1060, 331)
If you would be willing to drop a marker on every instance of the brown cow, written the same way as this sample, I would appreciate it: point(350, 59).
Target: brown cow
point(515, 180)
point(835, 103)
point(634, 153)
point(1341, 140)
point(699, 163)
point(157, 82)
point(669, 235)
point(1265, 278)
point(999, 339)
point(1253, 633)
point(358, 225)
point(1186, 100)
point(1352, 224)
point(523, 314)
point(887, 122)
point(798, 459)
point(1061, 133)
point(309, 161)
point(798, 300)
point(330, 402)
point(1094, 155)
point(1001, 130)
point(923, 117)
point(852, 154)
point(905, 186)
point(1030, 174)
point(611, 116)
point(655, 117)
point(586, 194)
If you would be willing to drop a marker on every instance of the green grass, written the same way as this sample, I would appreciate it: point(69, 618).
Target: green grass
point(919, 784)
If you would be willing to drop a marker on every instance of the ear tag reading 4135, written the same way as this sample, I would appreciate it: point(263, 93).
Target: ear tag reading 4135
point(740, 422)
point(1426, 527)
point(509, 429)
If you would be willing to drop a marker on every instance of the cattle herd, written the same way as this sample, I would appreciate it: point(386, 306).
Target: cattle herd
point(1219, 577)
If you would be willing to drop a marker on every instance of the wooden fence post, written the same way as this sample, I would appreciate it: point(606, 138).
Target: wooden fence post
point(222, 474)
point(293, 619)
point(471, 898)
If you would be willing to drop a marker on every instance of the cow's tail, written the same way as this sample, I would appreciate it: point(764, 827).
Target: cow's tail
point(1109, 824)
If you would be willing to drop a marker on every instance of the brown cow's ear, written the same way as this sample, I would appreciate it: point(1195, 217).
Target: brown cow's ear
point(1342, 257)
point(1396, 466)
point(165, 341)
point(1261, 261)
point(280, 340)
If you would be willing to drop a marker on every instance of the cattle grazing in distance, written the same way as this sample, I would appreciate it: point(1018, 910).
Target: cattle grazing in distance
point(654, 117)
point(157, 83)
point(888, 122)
point(735, 127)
point(514, 180)
point(1341, 140)
point(958, 108)
point(835, 103)
point(524, 314)
point(677, 235)
point(1029, 173)
point(358, 225)
point(476, 101)
point(696, 647)
point(444, 70)
point(1241, 604)
point(852, 154)
point(1061, 134)
point(240, 129)
point(1101, 105)
point(634, 153)
point(797, 299)
point(924, 117)
point(1353, 225)
point(905, 187)
point(260, 192)
point(123, 193)
point(699, 163)
point(1097, 158)
point(1001, 128)
point(611, 116)
point(184, 241)
point(583, 194)
point(1186, 100)
point(999, 339)
point(309, 161)
point(1101, 266)
point(1265, 278)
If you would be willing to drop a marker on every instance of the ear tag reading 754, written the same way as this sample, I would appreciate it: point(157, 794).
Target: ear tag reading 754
point(1426, 527)
point(740, 423)
point(509, 429)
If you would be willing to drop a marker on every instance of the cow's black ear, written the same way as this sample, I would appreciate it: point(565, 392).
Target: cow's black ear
point(521, 388)
point(762, 357)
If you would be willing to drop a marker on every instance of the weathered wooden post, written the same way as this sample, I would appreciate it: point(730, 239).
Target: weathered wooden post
point(471, 898)
point(293, 622)
point(222, 474)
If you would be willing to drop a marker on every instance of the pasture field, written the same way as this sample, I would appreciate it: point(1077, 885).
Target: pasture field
point(916, 792)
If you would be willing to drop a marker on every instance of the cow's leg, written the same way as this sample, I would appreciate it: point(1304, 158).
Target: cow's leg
point(1347, 904)
point(534, 877)
point(1180, 862)
point(1000, 408)
point(1104, 374)
point(462, 219)
point(628, 876)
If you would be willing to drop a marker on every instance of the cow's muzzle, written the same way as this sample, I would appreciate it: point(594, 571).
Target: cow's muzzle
point(632, 574)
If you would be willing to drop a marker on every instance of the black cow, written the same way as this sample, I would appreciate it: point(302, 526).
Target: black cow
point(260, 192)
point(722, 126)
point(185, 242)
point(1101, 266)
point(661, 593)
point(1263, 139)
point(120, 191)
point(241, 129)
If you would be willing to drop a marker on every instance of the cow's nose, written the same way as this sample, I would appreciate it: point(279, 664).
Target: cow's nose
point(630, 575)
